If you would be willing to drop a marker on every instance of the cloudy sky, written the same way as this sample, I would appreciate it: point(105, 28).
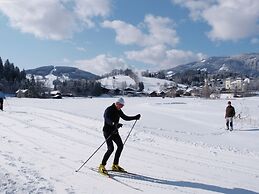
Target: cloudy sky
point(100, 35)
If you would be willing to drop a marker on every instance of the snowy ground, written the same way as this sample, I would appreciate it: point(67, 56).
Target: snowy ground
point(179, 146)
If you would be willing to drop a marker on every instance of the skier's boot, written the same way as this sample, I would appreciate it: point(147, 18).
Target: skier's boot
point(117, 168)
point(102, 170)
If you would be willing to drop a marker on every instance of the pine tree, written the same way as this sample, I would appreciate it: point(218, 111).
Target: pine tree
point(97, 89)
point(1, 68)
point(141, 86)
point(23, 75)
point(11, 77)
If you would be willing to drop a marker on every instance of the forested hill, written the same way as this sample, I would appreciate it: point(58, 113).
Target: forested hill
point(11, 78)
point(62, 71)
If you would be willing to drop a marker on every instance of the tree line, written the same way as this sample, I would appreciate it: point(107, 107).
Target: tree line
point(80, 87)
point(11, 78)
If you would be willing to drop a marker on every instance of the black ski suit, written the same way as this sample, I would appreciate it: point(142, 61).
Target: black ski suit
point(2, 97)
point(110, 131)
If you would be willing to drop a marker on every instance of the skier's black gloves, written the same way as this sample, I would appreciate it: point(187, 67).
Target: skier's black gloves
point(137, 117)
point(119, 125)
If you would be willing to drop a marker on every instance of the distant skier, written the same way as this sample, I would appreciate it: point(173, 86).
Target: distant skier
point(112, 116)
point(230, 113)
point(2, 97)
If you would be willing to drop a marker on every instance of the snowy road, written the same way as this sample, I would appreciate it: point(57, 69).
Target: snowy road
point(179, 146)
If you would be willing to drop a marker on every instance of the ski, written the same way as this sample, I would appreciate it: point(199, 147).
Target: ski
point(110, 173)
point(117, 171)
point(113, 174)
point(104, 174)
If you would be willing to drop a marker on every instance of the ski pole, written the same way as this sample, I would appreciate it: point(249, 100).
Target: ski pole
point(93, 153)
point(130, 132)
point(102, 145)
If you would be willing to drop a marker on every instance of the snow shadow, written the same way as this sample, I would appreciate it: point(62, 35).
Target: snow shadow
point(249, 130)
point(186, 184)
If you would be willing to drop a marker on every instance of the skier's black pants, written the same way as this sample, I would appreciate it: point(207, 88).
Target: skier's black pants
point(229, 121)
point(109, 141)
point(1, 103)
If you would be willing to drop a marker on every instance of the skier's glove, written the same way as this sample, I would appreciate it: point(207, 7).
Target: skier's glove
point(137, 117)
point(119, 125)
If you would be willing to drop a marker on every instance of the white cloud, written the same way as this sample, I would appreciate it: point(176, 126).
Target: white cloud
point(53, 19)
point(87, 9)
point(229, 19)
point(177, 57)
point(156, 41)
point(233, 19)
point(150, 55)
point(101, 64)
point(160, 31)
point(161, 57)
point(125, 33)
point(45, 19)
point(196, 7)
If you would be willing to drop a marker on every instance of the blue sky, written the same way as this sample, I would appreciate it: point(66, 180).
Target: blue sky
point(100, 35)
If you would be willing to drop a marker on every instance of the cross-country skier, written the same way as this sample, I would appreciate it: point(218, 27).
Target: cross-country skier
point(230, 113)
point(112, 116)
point(2, 97)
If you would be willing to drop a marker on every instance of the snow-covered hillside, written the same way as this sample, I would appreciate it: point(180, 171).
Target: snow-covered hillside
point(155, 84)
point(49, 74)
point(178, 146)
point(48, 80)
point(122, 81)
point(243, 64)
point(118, 81)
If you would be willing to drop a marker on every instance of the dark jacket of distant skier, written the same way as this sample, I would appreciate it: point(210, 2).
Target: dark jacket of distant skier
point(2, 96)
point(230, 111)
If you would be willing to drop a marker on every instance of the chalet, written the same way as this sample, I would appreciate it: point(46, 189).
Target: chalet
point(162, 94)
point(21, 93)
point(153, 94)
point(56, 94)
point(129, 91)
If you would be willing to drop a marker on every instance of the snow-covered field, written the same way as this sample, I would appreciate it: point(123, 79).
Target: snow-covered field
point(179, 146)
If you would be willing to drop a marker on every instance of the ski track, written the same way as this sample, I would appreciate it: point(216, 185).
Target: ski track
point(31, 143)
point(20, 173)
point(63, 124)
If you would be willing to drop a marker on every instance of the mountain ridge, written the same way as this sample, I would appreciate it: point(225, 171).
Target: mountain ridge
point(244, 64)
point(241, 65)
point(61, 71)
